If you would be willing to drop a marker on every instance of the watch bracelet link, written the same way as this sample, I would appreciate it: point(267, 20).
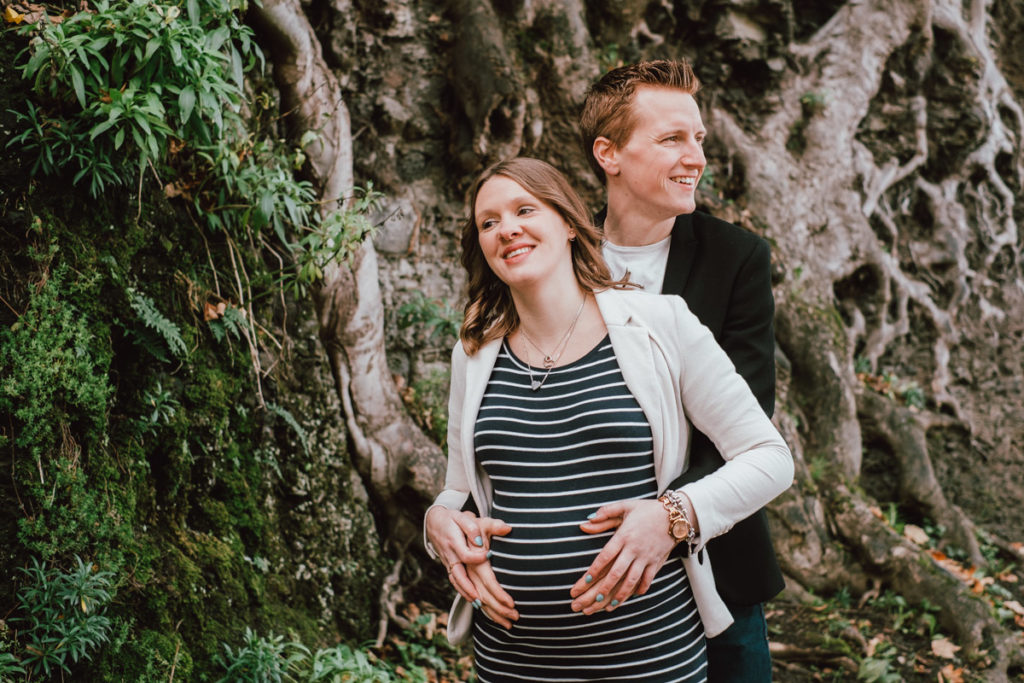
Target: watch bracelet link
point(676, 507)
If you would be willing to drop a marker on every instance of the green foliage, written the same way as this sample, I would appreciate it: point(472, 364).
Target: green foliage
point(344, 663)
point(262, 659)
point(153, 319)
point(430, 318)
point(907, 618)
point(161, 406)
point(105, 378)
point(813, 103)
point(272, 659)
point(878, 668)
point(231, 324)
point(609, 58)
point(63, 613)
point(120, 82)
point(9, 666)
point(53, 369)
point(427, 401)
point(293, 423)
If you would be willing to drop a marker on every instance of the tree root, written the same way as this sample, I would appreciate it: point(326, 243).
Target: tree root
point(905, 432)
point(391, 453)
point(913, 574)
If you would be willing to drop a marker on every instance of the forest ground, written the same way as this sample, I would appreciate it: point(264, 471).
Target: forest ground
point(877, 637)
point(809, 642)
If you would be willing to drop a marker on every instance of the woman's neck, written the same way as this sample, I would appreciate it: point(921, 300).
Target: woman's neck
point(546, 314)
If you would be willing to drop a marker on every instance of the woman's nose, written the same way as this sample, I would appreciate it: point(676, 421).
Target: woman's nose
point(510, 228)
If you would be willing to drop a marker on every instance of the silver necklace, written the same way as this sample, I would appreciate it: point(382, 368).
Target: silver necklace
point(552, 358)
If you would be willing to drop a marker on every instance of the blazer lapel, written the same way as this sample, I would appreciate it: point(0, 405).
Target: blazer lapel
point(633, 352)
point(478, 371)
point(680, 255)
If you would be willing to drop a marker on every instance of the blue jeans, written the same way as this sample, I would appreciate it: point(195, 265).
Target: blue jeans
point(740, 653)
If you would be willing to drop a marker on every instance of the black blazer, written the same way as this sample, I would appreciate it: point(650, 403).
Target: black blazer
point(723, 272)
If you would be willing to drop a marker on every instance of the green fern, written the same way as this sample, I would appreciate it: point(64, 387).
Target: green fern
point(154, 319)
point(231, 323)
point(292, 422)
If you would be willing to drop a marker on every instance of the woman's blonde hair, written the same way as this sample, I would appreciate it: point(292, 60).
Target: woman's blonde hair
point(490, 312)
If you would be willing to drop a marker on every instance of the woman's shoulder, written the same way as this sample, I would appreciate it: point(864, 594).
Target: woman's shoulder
point(639, 301)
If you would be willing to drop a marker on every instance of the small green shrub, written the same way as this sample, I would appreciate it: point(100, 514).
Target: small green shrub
point(118, 83)
point(262, 659)
point(64, 615)
point(430, 318)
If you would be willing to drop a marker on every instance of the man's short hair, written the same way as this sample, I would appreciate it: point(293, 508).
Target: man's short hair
point(607, 109)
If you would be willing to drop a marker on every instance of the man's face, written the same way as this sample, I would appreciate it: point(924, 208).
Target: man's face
point(660, 164)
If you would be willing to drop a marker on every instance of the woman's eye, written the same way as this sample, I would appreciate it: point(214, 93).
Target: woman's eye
point(487, 224)
point(525, 210)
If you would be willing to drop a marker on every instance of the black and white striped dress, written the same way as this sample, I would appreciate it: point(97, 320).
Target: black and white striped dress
point(554, 456)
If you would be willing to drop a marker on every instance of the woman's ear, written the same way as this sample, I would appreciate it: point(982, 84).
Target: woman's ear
point(607, 155)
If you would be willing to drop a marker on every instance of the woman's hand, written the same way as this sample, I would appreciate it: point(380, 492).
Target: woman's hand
point(629, 560)
point(493, 600)
point(462, 540)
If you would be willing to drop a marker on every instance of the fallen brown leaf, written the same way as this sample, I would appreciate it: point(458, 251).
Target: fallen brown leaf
point(943, 647)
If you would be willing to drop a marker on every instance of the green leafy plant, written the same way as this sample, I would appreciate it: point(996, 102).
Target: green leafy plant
point(119, 82)
point(9, 667)
point(430, 318)
point(63, 613)
point(152, 318)
point(344, 663)
point(160, 405)
point(262, 659)
point(427, 400)
point(285, 415)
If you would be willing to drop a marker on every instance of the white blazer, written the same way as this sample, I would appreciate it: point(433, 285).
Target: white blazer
point(679, 375)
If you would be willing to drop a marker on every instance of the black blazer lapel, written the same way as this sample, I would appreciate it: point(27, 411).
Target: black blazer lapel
point(681, 253)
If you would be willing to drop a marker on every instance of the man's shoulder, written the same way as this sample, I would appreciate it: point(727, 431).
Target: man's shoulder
point(716, 231)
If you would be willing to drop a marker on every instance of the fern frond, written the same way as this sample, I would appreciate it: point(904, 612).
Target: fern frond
point(153, 318)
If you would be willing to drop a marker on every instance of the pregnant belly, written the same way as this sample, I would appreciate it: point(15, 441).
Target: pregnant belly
point(538, 566)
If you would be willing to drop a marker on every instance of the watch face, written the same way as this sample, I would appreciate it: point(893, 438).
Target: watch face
point(679, 530)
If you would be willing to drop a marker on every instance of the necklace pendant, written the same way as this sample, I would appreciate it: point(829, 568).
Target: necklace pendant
point(535, 384)
point(549, 362)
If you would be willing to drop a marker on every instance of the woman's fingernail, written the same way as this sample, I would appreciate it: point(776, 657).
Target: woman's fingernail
point(592, 515)
point(490, 553)
point(575, 607)
point(615, 603)
point(600, 597)
point(479, 541)
point(477, 603)
point(588, 578)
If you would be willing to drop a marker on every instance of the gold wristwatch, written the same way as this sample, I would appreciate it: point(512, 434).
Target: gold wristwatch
point(679, 527)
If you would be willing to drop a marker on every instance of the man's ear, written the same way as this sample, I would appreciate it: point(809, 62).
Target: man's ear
point(607, 155)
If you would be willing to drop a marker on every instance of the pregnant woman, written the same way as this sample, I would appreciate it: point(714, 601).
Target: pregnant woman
point(570, 409)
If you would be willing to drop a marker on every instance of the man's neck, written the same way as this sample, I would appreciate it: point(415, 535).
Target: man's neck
point(630, 228)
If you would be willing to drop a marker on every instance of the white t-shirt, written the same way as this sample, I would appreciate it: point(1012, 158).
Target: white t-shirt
point(646, 264)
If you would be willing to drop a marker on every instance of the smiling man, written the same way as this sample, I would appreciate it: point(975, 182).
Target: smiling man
point(643, 134)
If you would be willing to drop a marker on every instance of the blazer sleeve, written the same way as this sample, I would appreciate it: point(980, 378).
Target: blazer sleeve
point(456, 484)
point(748, 338)
point(717, 400)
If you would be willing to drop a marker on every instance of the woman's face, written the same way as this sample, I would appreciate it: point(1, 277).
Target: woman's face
point(524, 240)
